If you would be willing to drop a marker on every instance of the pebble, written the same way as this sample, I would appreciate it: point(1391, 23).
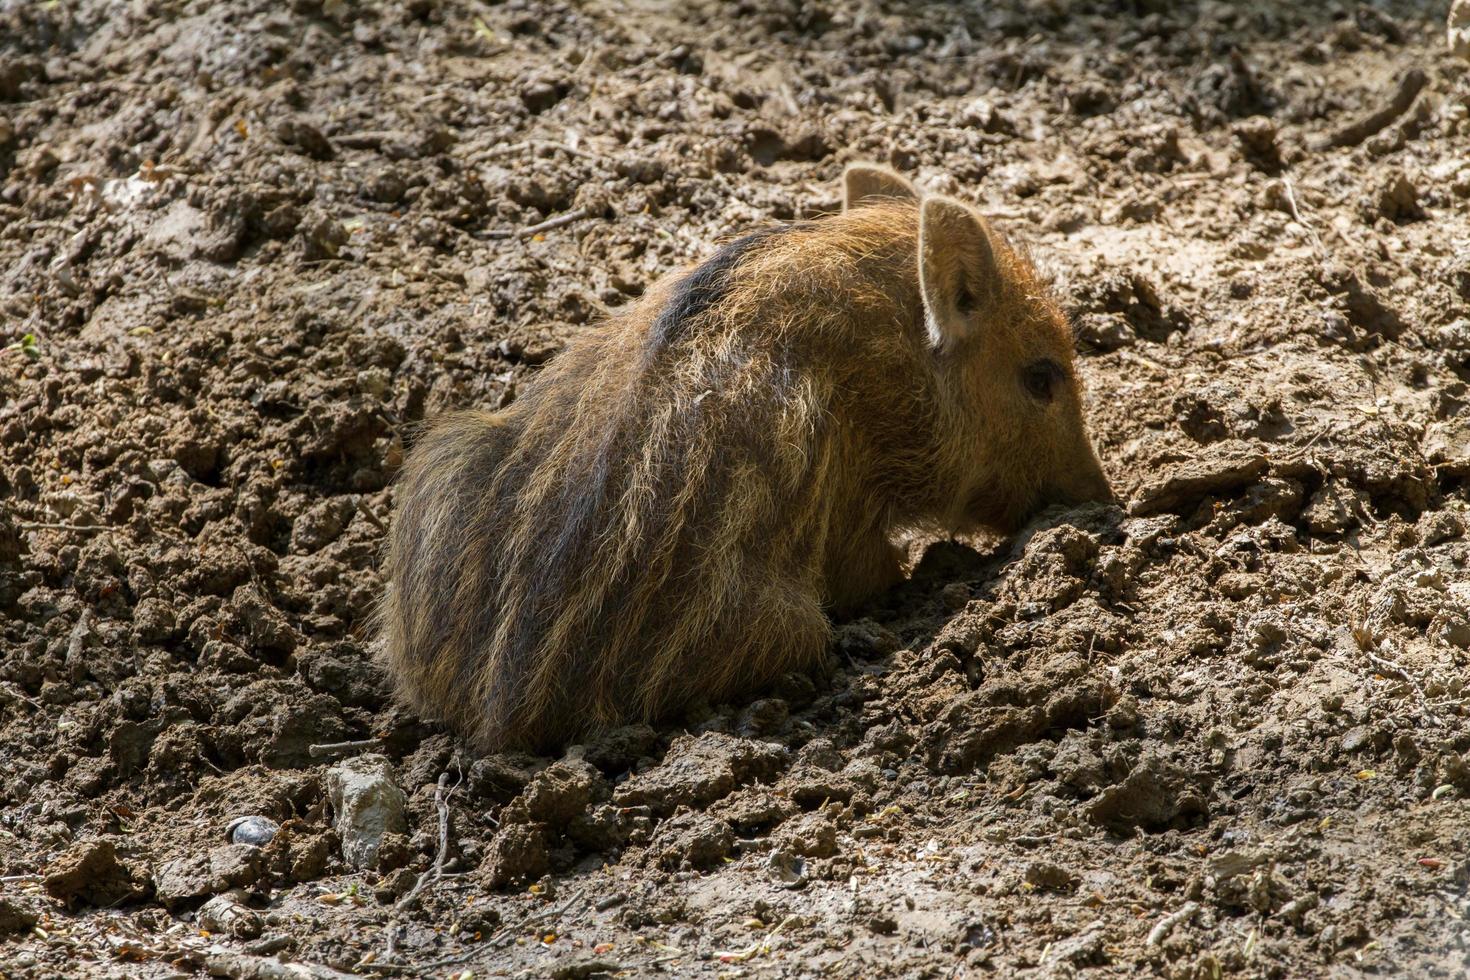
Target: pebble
point(256, 831)
point(787, 869)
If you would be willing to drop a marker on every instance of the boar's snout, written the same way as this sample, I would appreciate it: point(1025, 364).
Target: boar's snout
point(1087, 484)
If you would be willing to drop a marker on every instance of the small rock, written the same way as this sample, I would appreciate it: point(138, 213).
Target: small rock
point(557, 794)
point(1446, 445)
point(374, 382)
point(1158, 793)
point(517, 854)
point(1240, 585)
point(395, 885)
point(368, 804)
point(15, 72)
point(1334, 508)
point(1455, 630)
point(1083, 948)
point(1455, 336)
point(812, 786)
point(982, 114)
point(540, 94)
point(256, 831)
point(1356, 738)
point(154, 620)
point(764, 716)
point(185, 232)
point(394, 852)
point(263, 624)
point(787, 869)
point(1124, 714)
point(1230, 864)
point(1266, 630)
point(309, 856)
point(498, 778)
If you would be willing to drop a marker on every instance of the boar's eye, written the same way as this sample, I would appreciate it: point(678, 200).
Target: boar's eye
point(1041, 378)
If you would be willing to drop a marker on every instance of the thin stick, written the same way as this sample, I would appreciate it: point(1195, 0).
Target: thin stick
point(442, 793)
point(328, 749)
point(1396, 670)
point(557, 912)
point(1297, 214)
point(1403, 97)
point(43, 526)
point(1168, 923)
point(417, 969)
point(16, 692)
point(371, 517)
point(576, 214)
point(441, 800)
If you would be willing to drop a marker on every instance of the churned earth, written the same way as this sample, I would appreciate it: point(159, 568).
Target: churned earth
point(1222, 730)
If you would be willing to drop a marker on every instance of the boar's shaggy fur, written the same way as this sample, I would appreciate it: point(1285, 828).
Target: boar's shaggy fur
point(670, 510)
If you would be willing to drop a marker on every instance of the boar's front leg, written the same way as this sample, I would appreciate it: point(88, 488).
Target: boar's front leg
point(867, 566)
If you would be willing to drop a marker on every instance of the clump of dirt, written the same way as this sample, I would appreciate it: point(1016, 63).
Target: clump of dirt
point(1220, 729)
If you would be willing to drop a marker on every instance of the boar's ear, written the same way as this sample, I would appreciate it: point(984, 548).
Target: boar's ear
point(863, 183)
point(957, 270)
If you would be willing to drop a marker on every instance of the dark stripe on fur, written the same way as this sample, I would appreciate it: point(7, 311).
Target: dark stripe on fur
point(705, 286)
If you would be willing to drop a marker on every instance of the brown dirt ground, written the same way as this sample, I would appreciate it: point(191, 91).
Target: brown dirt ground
point(1222, 733)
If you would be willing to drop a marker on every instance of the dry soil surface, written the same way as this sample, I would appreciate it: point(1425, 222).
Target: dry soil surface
point(1219, 731)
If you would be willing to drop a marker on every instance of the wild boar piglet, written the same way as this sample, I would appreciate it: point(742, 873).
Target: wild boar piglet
point(670, 510)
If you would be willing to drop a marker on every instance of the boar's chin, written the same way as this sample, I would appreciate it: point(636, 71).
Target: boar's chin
point(988, 511)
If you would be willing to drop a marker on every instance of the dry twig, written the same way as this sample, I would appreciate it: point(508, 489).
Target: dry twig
point(1351, 135)
point(441, 801)
point(1395, 669)
point(576, 214)
point(45, 526)
point(1170, 922)
point(326, 750)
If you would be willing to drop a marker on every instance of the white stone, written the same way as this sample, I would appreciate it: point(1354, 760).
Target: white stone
point(368, 804)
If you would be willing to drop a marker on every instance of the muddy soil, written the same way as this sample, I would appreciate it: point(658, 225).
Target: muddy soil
point(1222, 730)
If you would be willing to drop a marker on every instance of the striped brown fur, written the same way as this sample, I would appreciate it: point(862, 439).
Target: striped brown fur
point(670, 510)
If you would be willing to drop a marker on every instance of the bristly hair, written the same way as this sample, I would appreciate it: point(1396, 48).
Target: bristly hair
point(704, 286)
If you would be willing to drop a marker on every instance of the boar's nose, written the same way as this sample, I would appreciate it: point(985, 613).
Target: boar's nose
point(1089, 485)
point(1100, 490)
